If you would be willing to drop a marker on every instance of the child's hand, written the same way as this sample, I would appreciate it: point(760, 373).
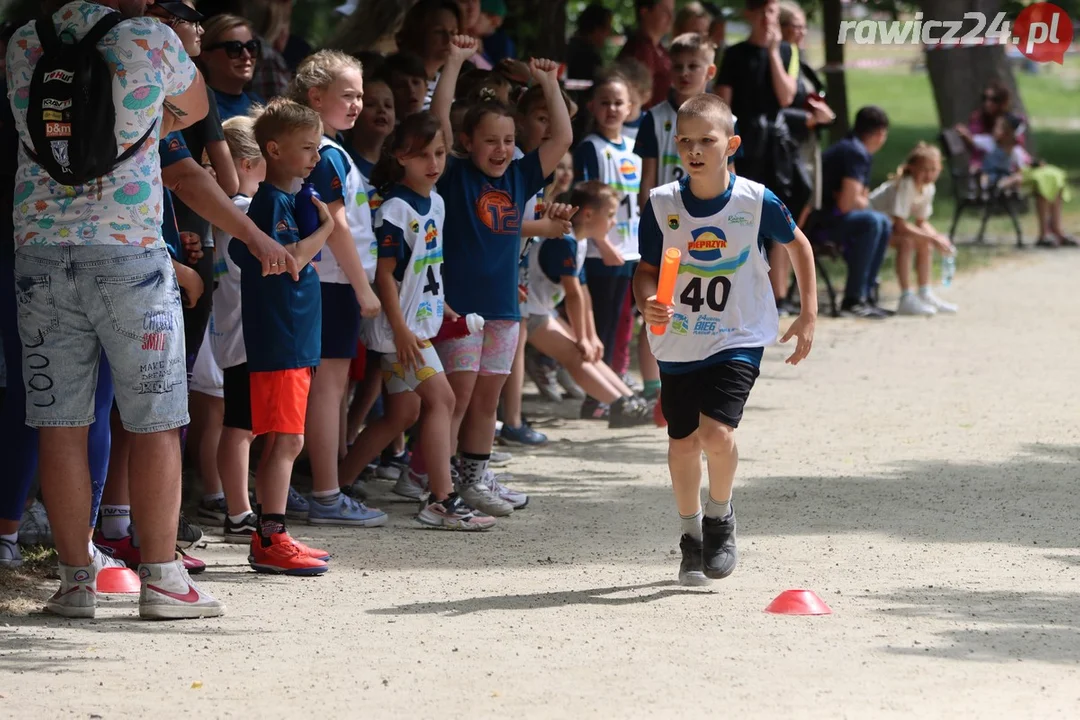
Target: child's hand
point(611, 256)
point(190, 282)
point(559, 215)
point(369, 303)
point(192, 245)
point(324, 212)
point(803, 331)
point(945, 245)
point(656, 312)
point(523, 294)
point(585, 348)
point(598, 348)
point(408, 348)
point(462, 47)
point(449, 315)
point(544, 70)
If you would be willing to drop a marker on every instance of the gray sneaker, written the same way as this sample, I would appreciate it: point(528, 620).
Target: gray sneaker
point(77, 595)
point(499, 458)
point(569, 384)
point(34, 528)
point(516, 498)
point(480, 496)
point(10, 555)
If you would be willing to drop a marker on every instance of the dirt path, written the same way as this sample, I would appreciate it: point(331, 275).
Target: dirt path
point(919, 475)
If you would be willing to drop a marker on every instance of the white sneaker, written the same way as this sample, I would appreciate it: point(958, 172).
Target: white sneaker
point(102, 560)
point(168, 594)
point(910, 304)
point(77, 595)
point(411, 485)
point(480, 496)
point(929, 298)
point(516, 499)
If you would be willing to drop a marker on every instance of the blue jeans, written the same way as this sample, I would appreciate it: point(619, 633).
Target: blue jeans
point(865, 235)
point(20, 462)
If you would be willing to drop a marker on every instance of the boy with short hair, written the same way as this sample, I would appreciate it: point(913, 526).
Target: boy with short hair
point(408, 82)
point(722, 317)
point(641, 85)
point(282, 320)
point(846, 211)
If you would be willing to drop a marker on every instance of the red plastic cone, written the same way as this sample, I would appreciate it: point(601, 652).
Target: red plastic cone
point(798, 602)
point(118, 580)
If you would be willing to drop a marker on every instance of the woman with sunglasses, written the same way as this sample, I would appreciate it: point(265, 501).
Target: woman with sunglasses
point(996, 101)
point(229, 52)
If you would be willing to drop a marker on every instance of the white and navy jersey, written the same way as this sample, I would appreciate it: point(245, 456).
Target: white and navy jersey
point(337, 177)
point(226, 326)
point(630, 130)
point(551, 260)
point(723, 298)
point(615, 165)
point(657, 140)
point(410, 229)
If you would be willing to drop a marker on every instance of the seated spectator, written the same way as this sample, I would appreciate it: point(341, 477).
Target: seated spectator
point(1007, 165)
point(692, 18)
point(847, 214)
point(426, 33)
point(979, 130)
point(908, 198)
point(229, 53)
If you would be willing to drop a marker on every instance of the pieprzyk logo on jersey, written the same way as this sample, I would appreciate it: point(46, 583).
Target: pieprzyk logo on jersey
point(60, 76)
point(54, 104)
point(627, 170)
point(707, 243)
point(431, 235)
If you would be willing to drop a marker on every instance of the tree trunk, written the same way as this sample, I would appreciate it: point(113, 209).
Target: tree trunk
point(835, 84)
point(538, 27)
point(959, 74)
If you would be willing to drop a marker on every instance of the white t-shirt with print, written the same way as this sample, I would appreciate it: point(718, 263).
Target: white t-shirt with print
point(900, 198)
point(124, 207)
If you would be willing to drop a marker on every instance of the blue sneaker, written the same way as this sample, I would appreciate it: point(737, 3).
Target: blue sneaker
point(345, 512)
point(296, 508)
point(523, 435)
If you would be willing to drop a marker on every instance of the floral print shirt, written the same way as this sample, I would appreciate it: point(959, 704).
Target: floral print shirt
point(124, 207)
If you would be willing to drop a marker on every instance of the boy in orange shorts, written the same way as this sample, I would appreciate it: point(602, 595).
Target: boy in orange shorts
point(282, 329)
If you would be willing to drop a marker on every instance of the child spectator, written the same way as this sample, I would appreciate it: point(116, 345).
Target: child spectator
point(605, 155)
point(332, 84)
point(558, 274)
point(1008, 165)
point(227, 344)
point(722, 318)
point(282, 321)
point(846, 211)
point(408, 80)
point(409, 278)
point(908, 198)
point(640, 82)
point(485, 196)
point(426, 33)
point(374, 124)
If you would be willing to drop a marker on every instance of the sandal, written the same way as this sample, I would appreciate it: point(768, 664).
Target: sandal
point(1046, 242)
point(1068, 241)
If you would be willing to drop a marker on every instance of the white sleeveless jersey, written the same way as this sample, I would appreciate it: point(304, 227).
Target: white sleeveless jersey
point(621, 170)
point(534, 210)
point(358, 214)
point(545, 294)
point(723, 299)
point(668, 163)
point(226, 326)
point(421, 289)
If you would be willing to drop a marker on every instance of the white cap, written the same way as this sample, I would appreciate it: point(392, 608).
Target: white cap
point(475, 323)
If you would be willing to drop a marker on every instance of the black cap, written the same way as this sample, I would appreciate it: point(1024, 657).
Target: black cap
point(180, 10)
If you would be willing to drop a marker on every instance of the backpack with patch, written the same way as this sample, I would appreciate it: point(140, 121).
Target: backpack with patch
point(70, 116)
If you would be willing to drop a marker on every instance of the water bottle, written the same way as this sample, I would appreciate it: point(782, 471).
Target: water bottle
point(307, 215)
point(948, 269)
point(470, 324)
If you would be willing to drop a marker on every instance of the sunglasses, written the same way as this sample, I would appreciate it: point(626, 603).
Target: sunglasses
point(234, 48)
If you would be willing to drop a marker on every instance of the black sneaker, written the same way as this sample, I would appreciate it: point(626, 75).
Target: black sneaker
point(690, 570)
point(240, 533)
point(719, 555)
point(629, 412)
point(593, 409)
point(861, 310)
point(188, 535)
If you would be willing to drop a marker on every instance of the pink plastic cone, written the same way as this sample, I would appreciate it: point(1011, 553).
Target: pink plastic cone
point(798, 602)
point(118, 580)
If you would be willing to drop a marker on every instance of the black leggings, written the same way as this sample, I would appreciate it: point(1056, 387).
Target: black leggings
point(608, 293)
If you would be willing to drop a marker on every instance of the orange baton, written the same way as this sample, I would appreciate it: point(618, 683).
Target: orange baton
point(665, 289)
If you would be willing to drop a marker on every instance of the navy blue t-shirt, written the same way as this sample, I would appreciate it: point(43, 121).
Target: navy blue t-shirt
point(483, 235)
point(233, 105)
point(558, 258)
point(172, 149)
point(282, 317)
point(391, 237)
point(776, 225)
point(848, 158)
point(330, 174)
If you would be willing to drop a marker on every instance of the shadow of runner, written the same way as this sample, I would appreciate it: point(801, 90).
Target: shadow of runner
point(541, 601)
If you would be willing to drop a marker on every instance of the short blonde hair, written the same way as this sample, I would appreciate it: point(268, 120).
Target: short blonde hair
point(710, 108)
point(320, 69)
point(923, 153)
point(789, 11)
point(239, 134)
point(283, 117)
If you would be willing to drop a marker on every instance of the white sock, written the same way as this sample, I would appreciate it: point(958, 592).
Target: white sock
point(924, 290)
point(326, 497)
point(13, 538)
point(210, 497)
point(237, 518)
point(115, 521)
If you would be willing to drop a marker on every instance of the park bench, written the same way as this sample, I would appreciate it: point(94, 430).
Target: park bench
point(968, 190)
point(824, 247)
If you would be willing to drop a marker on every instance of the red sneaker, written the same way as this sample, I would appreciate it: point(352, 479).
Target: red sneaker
point(194, 566)
point(121, 549)
point(310, 551)
point(282, 556)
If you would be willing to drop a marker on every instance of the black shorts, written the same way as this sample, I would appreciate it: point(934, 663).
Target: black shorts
point(717, 391)
point(340, 321)
point(237, 389)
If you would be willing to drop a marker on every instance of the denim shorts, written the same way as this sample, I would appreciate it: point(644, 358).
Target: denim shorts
point(76, 301)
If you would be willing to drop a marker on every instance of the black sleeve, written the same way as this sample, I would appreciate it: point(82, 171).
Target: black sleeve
point(212, 122)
